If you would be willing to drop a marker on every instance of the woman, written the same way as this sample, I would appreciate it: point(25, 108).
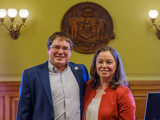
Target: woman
point(107, 96)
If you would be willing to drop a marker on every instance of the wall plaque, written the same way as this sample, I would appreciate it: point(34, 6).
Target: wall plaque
point(89, 25)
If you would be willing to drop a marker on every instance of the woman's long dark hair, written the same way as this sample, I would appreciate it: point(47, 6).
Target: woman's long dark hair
point(119, 77)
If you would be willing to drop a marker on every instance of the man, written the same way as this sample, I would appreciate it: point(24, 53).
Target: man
point(53, 90)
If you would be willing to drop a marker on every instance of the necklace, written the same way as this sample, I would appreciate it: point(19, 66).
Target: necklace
point(101, 88)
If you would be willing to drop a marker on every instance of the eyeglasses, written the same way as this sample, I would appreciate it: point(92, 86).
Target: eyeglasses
point(57, 48)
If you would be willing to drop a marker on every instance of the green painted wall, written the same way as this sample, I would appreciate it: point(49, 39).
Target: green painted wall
point(135, 40)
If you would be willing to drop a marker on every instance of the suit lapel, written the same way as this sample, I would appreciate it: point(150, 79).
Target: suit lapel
point(75, 71)
point(44, 77)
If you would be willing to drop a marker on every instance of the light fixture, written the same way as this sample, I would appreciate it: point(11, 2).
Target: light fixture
point(153, 15)
point(14, 27)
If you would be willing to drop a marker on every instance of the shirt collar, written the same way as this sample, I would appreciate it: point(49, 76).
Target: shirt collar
point(54, 69)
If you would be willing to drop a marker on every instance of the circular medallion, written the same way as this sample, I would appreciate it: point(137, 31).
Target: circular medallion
point(89, 26)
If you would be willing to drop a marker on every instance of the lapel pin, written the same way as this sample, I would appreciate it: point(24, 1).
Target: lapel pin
point(76, 68)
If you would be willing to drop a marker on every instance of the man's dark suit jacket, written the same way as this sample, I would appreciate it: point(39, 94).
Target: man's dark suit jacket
point(35, 100)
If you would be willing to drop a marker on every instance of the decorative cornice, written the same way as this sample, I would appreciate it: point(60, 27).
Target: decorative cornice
point(128, 75)
point(143, 74)
point(11, 75)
